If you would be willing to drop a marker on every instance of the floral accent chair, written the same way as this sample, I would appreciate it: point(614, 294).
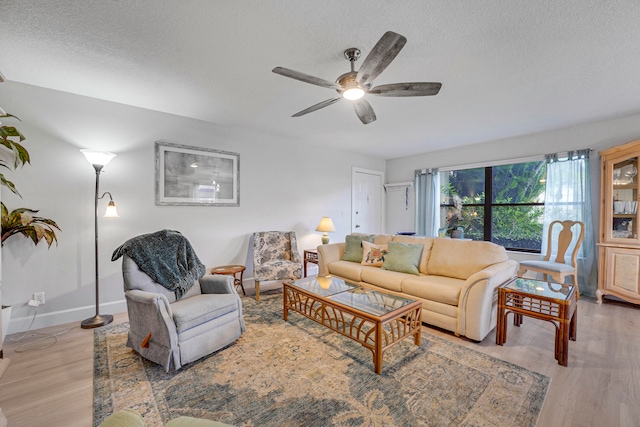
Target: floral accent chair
point(275, 257)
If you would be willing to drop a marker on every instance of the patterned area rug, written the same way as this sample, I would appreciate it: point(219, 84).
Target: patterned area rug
point(298, 373)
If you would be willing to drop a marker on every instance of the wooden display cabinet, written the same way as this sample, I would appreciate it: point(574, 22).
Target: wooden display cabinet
point(619, 242)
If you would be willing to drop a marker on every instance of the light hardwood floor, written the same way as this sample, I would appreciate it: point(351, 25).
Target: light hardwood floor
point(600, 387)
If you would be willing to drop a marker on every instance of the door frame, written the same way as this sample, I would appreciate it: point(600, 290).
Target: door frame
point(383, 201)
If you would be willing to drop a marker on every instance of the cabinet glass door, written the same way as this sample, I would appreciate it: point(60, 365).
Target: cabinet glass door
point(625, 199)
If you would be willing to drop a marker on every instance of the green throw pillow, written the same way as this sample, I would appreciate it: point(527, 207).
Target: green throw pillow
point(353, 247)
point(403, 257)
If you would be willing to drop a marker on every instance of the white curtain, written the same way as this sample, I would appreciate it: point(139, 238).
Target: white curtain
point(568, 197)
point(427, 202)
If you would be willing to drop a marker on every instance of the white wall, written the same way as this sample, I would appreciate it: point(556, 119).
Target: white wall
point(284, 185)
point(597, 136)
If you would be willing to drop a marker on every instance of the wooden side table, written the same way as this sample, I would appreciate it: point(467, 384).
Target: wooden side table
point(232, 270)
point(554, 302)
point(310, 255)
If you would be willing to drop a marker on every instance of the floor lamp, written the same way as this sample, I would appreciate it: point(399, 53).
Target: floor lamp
point(98, 160)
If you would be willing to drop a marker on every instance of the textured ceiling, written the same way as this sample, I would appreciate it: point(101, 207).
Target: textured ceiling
point(508, 67)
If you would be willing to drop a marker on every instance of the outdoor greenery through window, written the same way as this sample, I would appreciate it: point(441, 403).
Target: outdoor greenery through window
point(502, 204)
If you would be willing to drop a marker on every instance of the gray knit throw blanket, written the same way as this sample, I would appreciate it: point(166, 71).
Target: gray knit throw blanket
point(167, 257)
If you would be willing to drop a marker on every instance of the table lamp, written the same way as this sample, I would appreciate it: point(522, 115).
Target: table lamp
point(326, 226)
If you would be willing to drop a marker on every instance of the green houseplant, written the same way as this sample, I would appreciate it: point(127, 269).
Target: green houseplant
point(21, 220)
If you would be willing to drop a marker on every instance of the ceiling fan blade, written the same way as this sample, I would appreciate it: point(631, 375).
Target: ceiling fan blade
point(306, 78)
point(364, 111)
point(387, 48)
point(407, 89)
point(318, 106)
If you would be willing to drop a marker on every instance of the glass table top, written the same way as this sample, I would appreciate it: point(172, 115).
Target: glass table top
point(372, 302)
point(351, 295)
point(540, 288)
point(322, 286)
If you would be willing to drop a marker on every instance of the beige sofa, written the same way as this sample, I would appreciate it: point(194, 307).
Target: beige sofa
point(457, 280)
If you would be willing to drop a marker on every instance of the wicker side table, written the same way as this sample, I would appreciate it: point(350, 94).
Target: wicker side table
point(310, 255)
point(553, 302)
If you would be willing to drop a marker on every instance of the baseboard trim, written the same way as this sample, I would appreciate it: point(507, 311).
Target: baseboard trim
point(55, 318)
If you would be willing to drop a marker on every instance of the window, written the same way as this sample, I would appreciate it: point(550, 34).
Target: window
point(501, 204)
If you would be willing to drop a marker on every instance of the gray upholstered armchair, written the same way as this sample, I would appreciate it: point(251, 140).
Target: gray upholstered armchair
point(173, 331)
point(207, 318)
point(275, 257)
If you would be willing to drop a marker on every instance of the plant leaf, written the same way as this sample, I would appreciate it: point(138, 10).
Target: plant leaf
point(11, 115)
point(12, 131)
point(21, 221)
point(21, 155)
point(9, 185)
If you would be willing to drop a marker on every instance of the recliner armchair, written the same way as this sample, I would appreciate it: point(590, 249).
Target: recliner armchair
point(275, 257)
point(206, 319)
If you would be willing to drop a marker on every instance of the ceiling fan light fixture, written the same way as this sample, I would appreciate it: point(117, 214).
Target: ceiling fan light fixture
point(353, 93)
point(350, 88)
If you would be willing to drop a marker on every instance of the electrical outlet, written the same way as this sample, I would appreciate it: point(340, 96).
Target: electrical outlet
point(39, 296)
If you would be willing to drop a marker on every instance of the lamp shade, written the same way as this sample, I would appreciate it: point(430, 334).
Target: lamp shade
point(94, 157)
point(111, 212)
point(326, 225)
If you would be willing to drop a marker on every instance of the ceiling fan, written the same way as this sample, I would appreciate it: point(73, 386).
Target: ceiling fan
point(355, 84)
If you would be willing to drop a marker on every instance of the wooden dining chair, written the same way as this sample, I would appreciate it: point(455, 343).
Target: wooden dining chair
point(558, 269)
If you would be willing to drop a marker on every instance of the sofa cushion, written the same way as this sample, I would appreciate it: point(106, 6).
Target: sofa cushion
point(391, 280)
point(426, 252)
point(346, 269)
point(277, 269)
point(373, 254)
point(353, 247)
point(383, 239)
point(441, 289)
point(462, 258)
point(403, 257)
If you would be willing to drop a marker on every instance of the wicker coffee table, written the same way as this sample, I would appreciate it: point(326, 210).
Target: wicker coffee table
point(375, 319)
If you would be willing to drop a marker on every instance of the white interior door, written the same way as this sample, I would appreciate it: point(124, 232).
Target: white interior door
point(366, 201)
